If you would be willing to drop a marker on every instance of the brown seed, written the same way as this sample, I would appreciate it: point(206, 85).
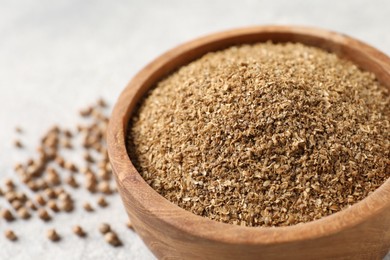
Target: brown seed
point(52, 177)
point(68, 133)
point(70, 166)
point(59, 191)
point(50, 193)
point(18, 129)
point(80, 128)
point(88, 157)
point(44, 215)
point(87, 206)
point(50, 140)
point(32, 185)
point(66, 206)
point(71, 181)
point(23, 213)
point(102, 103)
point(25, 178)
point(40, 200)
point(53, 205)
point(104, 187)
point(66, 144)
point(7, 215)
point(60, 161)
point(11, 196)
point(31, 205)
point(102, 202)
point(104, 228)
point(55, 130)
point(21, 196)
point(16, 204)
point(53, 235)
point(79, 231)
point(112, 239)
point(30, 162)
point(10, 235)
point(64, 196)
point(104, 174)
point(18, 144)
point(86, 112)
point(18, 167)
point(91, 186)
point(10, 184)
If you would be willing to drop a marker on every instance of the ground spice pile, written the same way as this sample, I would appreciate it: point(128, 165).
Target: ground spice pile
point(264, 135)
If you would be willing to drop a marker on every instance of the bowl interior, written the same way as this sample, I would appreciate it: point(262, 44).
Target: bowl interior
point(142, 198)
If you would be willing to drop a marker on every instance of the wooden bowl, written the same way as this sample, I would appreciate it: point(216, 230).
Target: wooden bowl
point(359, 232)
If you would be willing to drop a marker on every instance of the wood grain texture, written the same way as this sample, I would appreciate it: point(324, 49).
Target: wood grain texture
point(359, 232)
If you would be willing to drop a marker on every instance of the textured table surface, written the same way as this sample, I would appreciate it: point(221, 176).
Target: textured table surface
point(58, 56)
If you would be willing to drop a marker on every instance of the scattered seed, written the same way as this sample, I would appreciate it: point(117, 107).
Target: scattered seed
point(44, 215)
point(10, 184)
point(112, 239)
point(68, 133)
point(31, 205)
point(102, 202)
point(70, 166)
point(10, 196)
point(7, 215)
point(86, 112)
point(40, 176)
point(88, 157)
point(66, 206)
point(52, 177)
point(40, 200)
point(18, 144)
point(10, 235)
point(104, 228)
point(87, 206)
point(60, 161)
point(23, 213)
point(79, 231)
point(53, 205)
point(66, 144)
point(16, 204)
point(53, 235)
point(71, 181)
point(104, 187)
point(102, 103)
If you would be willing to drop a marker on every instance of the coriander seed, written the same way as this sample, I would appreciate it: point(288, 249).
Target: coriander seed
point(53, 235)
point(7, 215)
point(112, 239)
point(104, 228)
point(10, 235)
point(44, 215)
point(102, 202)
point(87, 206)
point(79, 231)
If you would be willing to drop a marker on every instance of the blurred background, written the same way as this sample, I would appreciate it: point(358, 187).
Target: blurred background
point(59, 56)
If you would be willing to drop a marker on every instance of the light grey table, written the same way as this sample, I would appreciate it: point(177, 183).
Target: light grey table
point(57, 56)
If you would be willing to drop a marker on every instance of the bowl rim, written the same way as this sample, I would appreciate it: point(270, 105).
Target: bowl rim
point(169, 214)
